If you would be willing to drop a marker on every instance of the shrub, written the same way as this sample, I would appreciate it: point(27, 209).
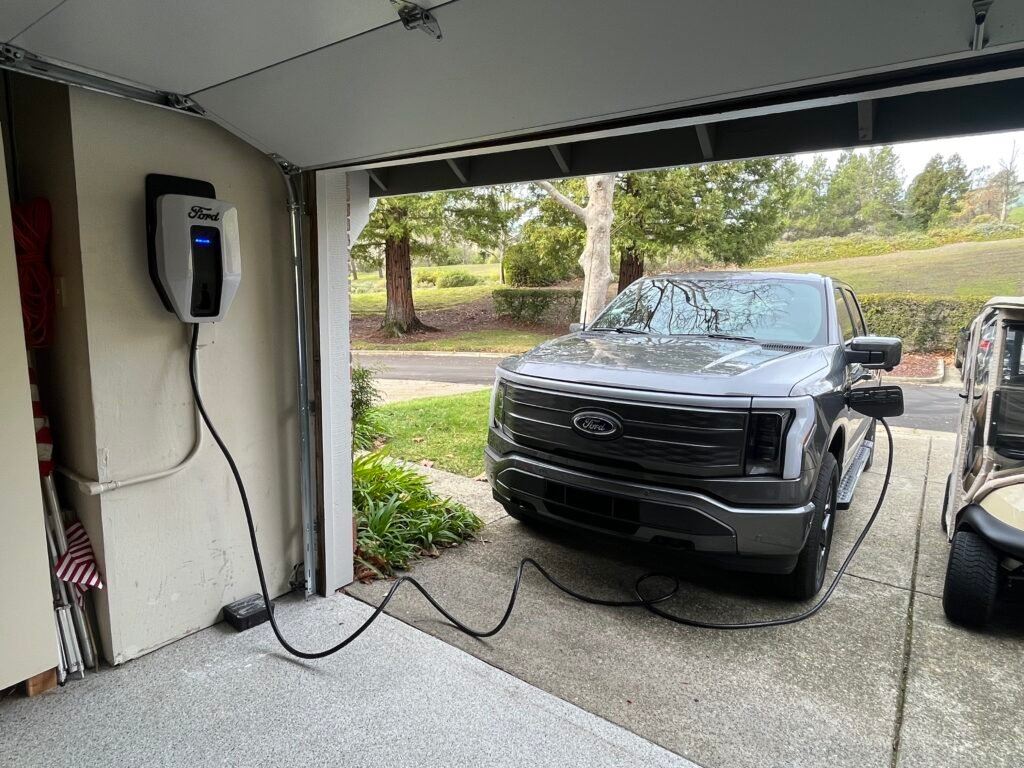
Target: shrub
point(398, 517)
point(366, 427)
point(424, 277)
point(456, 279)
point(855, 245)
point(537, 305)
point(925, 323)
point(526, 266)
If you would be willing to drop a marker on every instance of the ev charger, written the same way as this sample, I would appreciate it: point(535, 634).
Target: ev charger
point(195, 256)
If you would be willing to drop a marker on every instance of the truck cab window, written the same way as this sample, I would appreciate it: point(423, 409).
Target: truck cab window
point(846, 327)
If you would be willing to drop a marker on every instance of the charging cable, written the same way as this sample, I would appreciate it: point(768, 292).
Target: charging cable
point(650, 603)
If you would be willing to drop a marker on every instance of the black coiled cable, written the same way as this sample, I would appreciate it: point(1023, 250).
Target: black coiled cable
point(639, 601)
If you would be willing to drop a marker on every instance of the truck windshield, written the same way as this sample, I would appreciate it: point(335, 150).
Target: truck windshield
point(787, 311)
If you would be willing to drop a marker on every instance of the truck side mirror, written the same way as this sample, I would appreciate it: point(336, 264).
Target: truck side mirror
point(883, 352)
point(575, 327)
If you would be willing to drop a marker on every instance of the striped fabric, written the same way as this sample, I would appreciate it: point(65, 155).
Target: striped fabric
point(78, 565)
point(44, 440)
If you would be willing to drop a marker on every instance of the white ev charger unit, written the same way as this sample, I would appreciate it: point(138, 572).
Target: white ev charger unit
point(195, 256)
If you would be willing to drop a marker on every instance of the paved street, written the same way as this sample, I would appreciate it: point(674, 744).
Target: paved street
point(927, 406)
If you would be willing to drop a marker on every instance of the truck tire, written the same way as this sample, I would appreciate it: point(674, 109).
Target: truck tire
point(972, 580)
point(806, 579)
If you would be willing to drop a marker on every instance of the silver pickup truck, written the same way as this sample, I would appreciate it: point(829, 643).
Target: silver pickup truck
point(705, 412)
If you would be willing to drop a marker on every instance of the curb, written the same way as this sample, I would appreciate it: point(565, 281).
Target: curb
point(418, 353)
point(936, 379)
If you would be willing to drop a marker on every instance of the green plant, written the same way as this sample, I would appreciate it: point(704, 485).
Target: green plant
point(539, 264)
point(366, 426)
point(456, 279)
point(398, 517)
point(424, 277)
point(536, 305)
point(925, 323)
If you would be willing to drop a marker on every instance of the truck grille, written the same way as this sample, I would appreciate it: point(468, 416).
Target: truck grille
point(654, 438)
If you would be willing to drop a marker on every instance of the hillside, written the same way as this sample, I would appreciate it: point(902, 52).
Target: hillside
point(963, 269)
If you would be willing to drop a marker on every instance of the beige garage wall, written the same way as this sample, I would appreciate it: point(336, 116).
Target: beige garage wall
point(176, 550)
point(27, 639)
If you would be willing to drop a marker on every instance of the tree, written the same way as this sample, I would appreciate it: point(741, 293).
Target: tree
point(740, 208)
point(935, 192)
point(1006, 182)
point(654, 213)
point(400, 227)
point(596, 216)
point(807, 216)
point(490, 217)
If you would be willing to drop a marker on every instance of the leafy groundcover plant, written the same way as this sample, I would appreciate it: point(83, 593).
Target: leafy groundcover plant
point(398, 517)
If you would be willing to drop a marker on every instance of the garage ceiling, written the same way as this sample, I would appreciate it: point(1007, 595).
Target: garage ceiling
point(342, 83)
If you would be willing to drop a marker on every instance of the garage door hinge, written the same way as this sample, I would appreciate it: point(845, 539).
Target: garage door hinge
point(414, 16)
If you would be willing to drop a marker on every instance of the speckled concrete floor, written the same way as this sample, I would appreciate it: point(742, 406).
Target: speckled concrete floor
point(397, 697)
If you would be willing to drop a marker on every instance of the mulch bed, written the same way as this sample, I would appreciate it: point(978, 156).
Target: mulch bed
point(472, 316)
point(918, 365)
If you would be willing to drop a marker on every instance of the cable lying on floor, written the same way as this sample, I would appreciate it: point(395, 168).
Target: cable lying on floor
point(650, 603)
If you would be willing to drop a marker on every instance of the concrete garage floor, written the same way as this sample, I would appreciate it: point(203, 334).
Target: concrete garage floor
point(879, 678)
point(396, 697)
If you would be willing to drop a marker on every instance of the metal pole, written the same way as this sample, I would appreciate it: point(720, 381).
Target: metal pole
point(293, 182)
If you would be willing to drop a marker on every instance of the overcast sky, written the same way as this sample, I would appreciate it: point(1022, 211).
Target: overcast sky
point(976, 151)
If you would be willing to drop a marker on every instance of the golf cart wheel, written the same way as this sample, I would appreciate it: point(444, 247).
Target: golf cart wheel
point(972, 580)
point(809, 574)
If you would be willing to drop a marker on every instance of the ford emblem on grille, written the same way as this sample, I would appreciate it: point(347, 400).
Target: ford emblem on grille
point(596, 425)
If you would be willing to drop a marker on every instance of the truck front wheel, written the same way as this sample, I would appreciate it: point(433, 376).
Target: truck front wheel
point(972, 580)
point(809, 574)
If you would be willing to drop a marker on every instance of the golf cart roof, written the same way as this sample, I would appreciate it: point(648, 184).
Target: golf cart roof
point(1005, 302)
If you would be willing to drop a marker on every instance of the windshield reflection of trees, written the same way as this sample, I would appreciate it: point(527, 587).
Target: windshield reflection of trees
point(680, 306)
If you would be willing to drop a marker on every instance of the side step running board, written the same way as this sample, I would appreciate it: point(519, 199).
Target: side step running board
point(849, 482)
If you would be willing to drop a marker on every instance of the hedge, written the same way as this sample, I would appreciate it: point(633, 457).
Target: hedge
point(538, 305)
point(853, 246)
point(925, 323)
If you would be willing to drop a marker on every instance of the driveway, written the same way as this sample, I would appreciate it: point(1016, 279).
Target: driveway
point(927, 406)
point(878, 678)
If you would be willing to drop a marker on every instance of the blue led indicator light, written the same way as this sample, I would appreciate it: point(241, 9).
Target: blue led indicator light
point(202, 241)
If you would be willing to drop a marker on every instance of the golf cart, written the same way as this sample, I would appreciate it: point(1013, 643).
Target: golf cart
point(983, 512)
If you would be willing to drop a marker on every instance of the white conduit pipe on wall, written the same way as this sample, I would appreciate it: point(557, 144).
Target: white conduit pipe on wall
point(95, 487)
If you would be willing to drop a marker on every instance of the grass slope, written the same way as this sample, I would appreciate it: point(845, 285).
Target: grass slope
point(502, 340)
point(962, 269)
point(449, 431)
point(424, 298)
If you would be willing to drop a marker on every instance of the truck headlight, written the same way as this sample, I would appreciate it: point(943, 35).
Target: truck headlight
point(498, 403)
point(766, 431)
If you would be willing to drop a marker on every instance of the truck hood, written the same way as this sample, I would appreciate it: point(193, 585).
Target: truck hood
point(678, 364)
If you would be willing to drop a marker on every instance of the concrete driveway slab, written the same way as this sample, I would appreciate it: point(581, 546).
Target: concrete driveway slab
point(878, 678)
point(965, 692)
point(822, 692)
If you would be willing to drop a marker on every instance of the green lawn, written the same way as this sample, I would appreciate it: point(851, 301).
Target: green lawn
point(449, 431)
point(963, 269)
point(425, 298)
point(489, 340)
point(368, 282)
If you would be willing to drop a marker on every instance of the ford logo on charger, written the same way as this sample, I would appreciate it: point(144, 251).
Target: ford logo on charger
point(596, 425)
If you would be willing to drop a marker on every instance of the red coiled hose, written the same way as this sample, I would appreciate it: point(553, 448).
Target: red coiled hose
point(32, 223)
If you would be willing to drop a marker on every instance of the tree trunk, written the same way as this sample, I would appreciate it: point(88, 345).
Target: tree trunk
point(400, 313)
point(631, 268)
point(353, 268)
point(596, 259)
